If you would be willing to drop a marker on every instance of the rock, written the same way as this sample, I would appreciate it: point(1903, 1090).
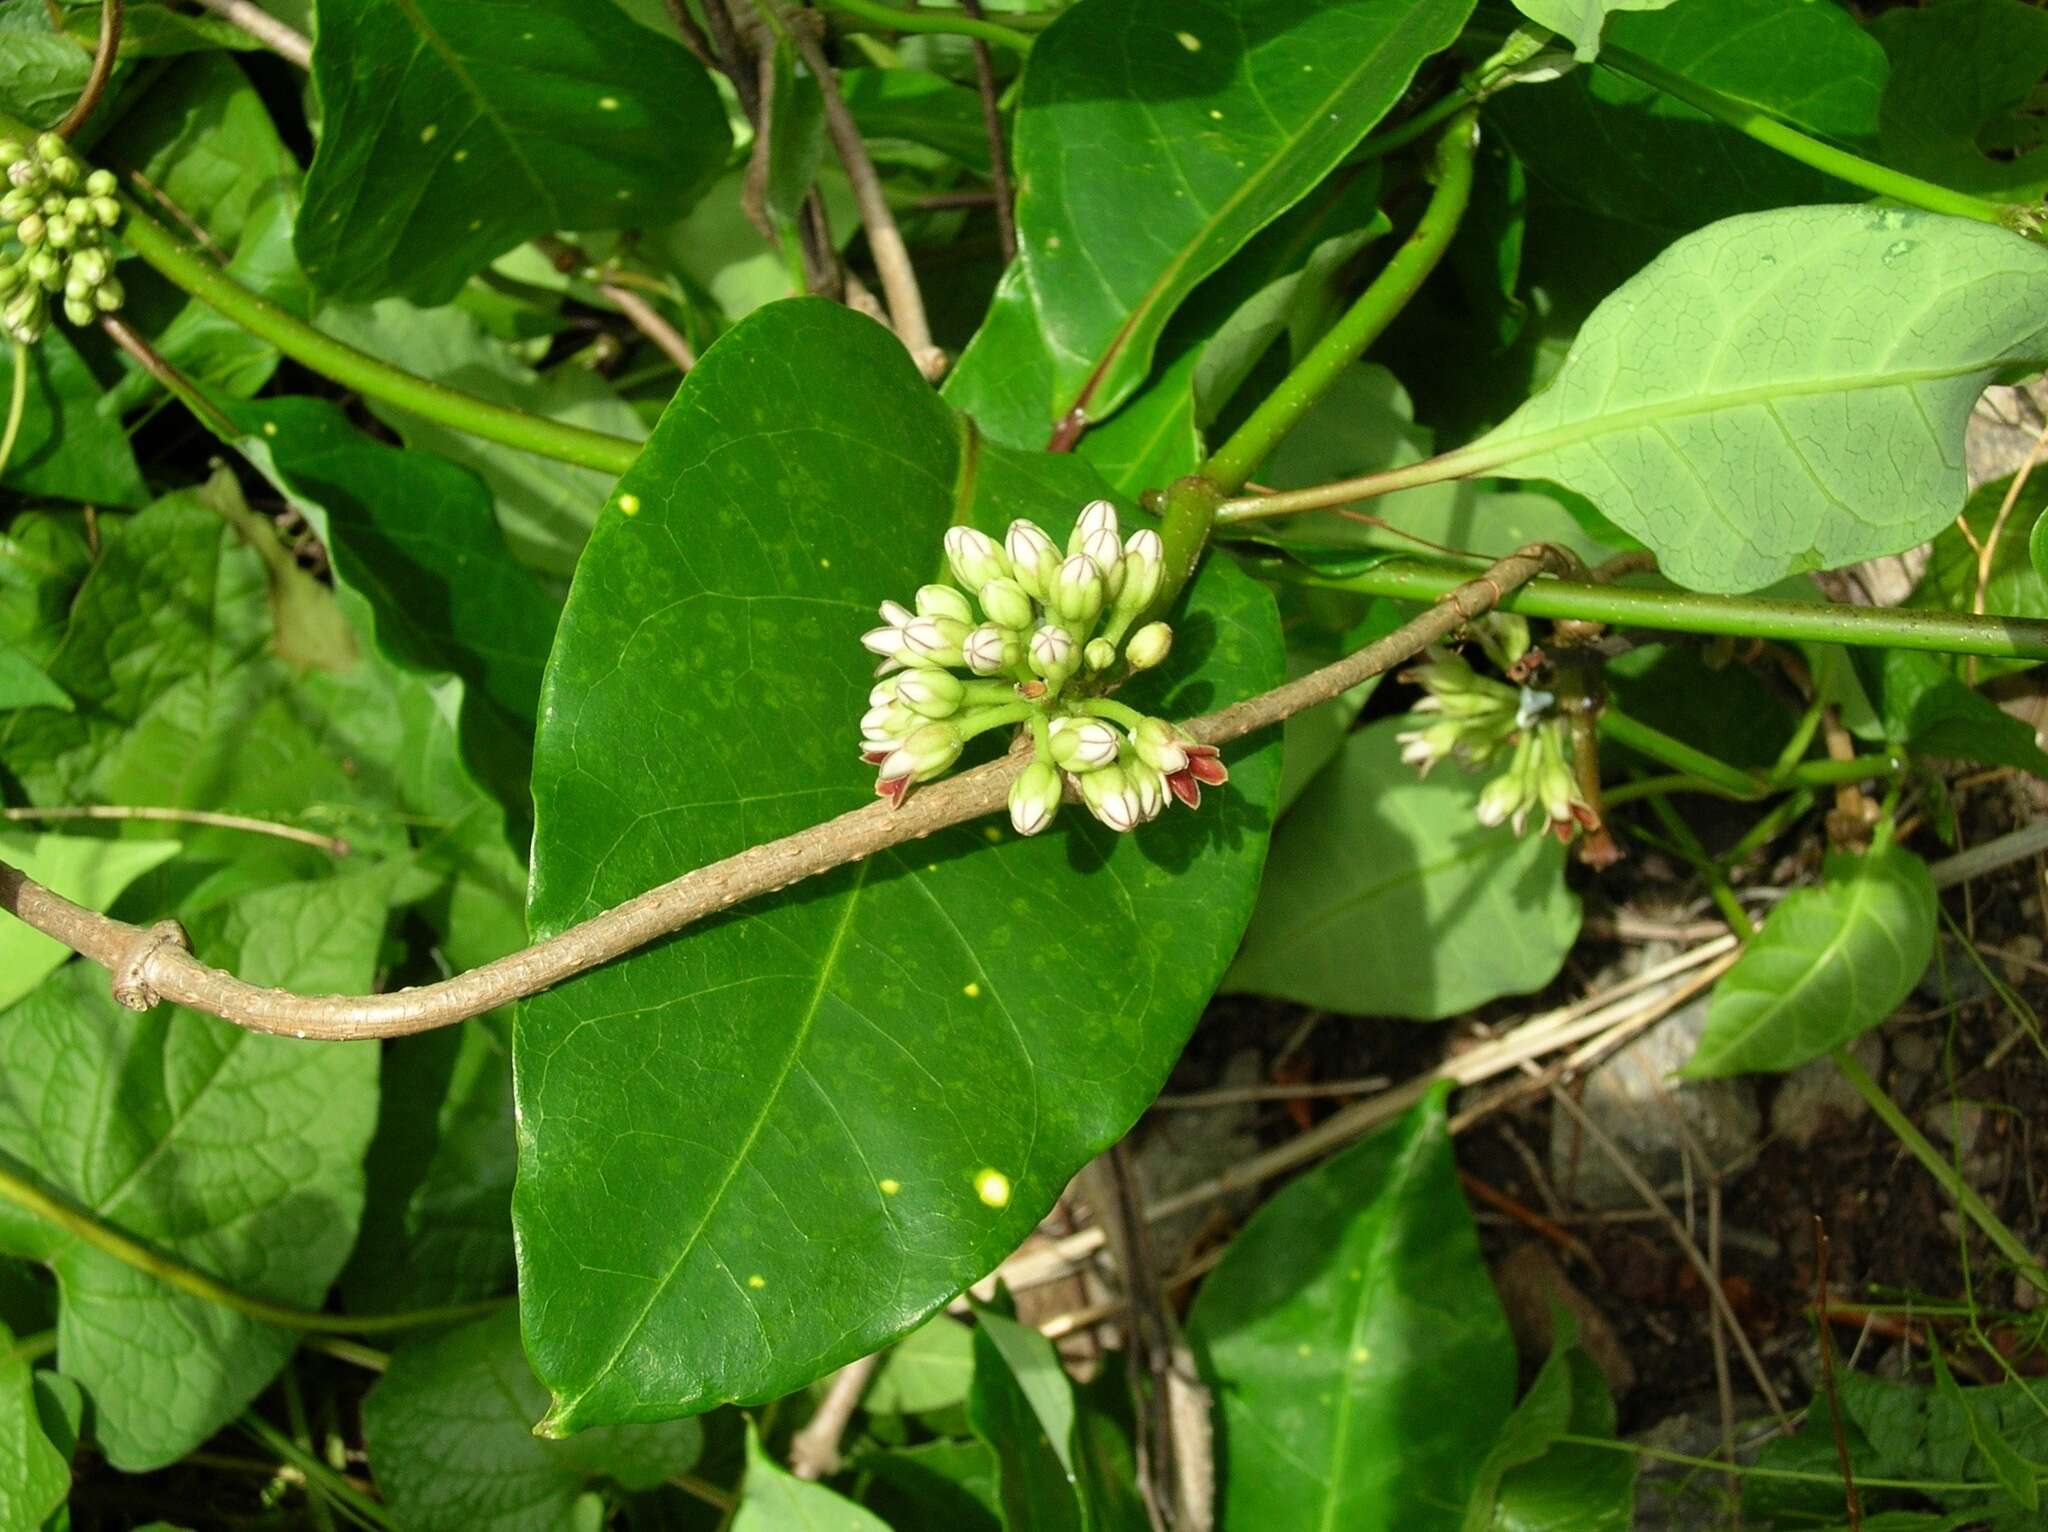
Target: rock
point(1952, 1122)
point(1917, 1051)
point(2022, 952)
point(1532, 1285)
point(1814, 1101)
point(1954, 977)
point(1635, 1102)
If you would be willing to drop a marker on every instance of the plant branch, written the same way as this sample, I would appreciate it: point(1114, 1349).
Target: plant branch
point(108, 1240)
point(153, 964)
point(897, 19)
point(279, 37)
point(885, 239)
point(17, 405)
point(1788, 141)
point(814, 1451)
point(998, 151)
point(103, 57)
point(1231, 464)
point(1683, 611)
point(121, 811)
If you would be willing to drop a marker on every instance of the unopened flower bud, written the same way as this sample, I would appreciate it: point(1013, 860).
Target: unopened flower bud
point(1053, 653)
point(11, 152)
point(47, 267)
point(1157, 743)
point(60, 232)
point(1096, 516)
point(1035, 798)
point(16, 205)
point(934, 693)
point(1111, 798)
point(1034, 557)
point(32, 230)
point(80, 311)
point(1099, 654)
point(1077, 593)
point(990, 650)
point(943, 601)
point(889, 721)
point(79, 211)
point(1148, 646)
point(1007, 603)
point(106, 210)
point(975, 558)
point(1083, 744)
point(109, 295)
point(101, 183)
point(934, 641)
point(1149, 784)
point(885, 641)
point(1103, 547)
point(27, 315)
point(1144, 569)
point(27, 175)
point(78, 289)
point(924, 753)
point(93, 266)
point(10, 277)
point(51, 147)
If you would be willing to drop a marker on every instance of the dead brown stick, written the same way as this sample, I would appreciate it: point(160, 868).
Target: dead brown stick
point(280, 38)
point(155, 964)
point(814, 1451)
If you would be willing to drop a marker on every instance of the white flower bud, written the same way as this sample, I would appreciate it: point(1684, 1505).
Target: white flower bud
point(1007, 604)
point(1148, 646)
point(1034, 557)
point(80, 311)
point(888, 724)
point(1102, 546)
point(1096, 516)
point(1157, 744)
point(1077, 592)
point(1111, 798)
point(924, 753)
point(975, 558)
point(896, 615)
point(1035, 798)
point(934, 641)
point(1144, 570)
point(1150, 786)
point(887, 642)
point(1083, 744)
point(1053, 653)
point(943, 601)
point(32, 230)
point(989, 650)
point(934, 693)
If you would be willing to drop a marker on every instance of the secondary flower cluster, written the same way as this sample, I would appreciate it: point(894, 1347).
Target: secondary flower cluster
point(59, 214)
point(1040, 633)
point(1476, 720)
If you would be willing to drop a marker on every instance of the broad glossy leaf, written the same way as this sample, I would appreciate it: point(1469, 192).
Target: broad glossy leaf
point(35, 1478)
point(927, 1370)
point(546, 508)
point(69, 446)
point(774, 1500)
point(233, 1152)
point(452, 131)
point(88, 869)
point(1155, 137)
point(1360, 1359)
point(23, 684)
point(1929, 711)
point(1579, 22)
point(942, 1486)
point(750, 1154)
point(1830, 963)
point(1785, 391)
point(1628, 150)
point(1385, 896)
point(2017, 587)
point(1962, 106)
point(1050, 1472)
point(156, 31)
point(41, 70)
point(1531, 1482)
point(450, 1434)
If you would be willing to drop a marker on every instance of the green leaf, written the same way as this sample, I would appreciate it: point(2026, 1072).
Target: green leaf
point(452, 132)
point(750, 1154)
point(2020, 1478)
point(1155, 137)
point(787, 155)
point(414, 536)
point(773, 1500)
point(919, 108)
point(2016, 587)
point(69, 446)
point(1785, 391)
point(1374, 860)
point(1050, 1471)
point(942, 1486)
point(1578, 22)
point(1930, 712)
point(23, 684)
point(1628, 150)
point(86, 869)
point(35, 1478)
point(927, 1370)
point(546, 508)
point(1530, 1482)
point(1360, 1359)
point(1962, 106)
point(1830, 963)
point(233, 1152)
point(155, 31)
point(41, 71)
point(450, 1433)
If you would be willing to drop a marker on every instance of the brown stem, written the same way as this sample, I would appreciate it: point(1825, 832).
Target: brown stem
point(155, 964)
point(814, 1451)
point(692, 35)
point(102, 69)
point(331, 844)
point(285, 41)
point(642, 315)
point(998, 153)
point(885, 239)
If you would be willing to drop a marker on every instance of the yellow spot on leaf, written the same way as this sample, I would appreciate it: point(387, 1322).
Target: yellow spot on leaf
point(757, 1282)
point(1189, 41)
point(1360, 1354)
point(824, 563)
point(427, 133)
point(630, 504)
point(993, 835)
point(890, 1186)
point(270, 428)
point(608, 103)
point(971, 991)
point(461, 155)
point(993, 1188)
point(1301, 1350)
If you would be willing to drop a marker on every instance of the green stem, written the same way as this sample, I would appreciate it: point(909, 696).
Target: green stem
point(31, 1348)
point(1231, 464)
point(185, 268)
point(980, 722)
point(1806, 774)
point(1677, 611)
point(1402, 134)
point(1110, 708)
point(1774, 134)
point(319, 1477)
point(896, 19)
point(1950, 1179)
point(17, 406)
point(1633, 734)
point(1689, 849)
point(1789, 1475)
point(108, 1240)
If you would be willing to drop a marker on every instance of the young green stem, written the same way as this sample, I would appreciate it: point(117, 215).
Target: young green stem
point(1688, 847)
point(1634, 734)
point(1807, 774)
point(897, 18)
point(1110, 708)
point(1678, 611)
point(1231, 464)
point(17, 406)
point(1964, 1195)
point(110, 1241)
point(1767, 130)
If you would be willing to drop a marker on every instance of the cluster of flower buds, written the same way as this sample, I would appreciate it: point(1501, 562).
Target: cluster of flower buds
point(1041, 635)
point(57, 213)
point(1475, 720)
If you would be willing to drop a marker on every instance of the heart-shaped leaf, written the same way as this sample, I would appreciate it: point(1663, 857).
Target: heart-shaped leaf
point(451, 131)
point(1785, 391)
point(1156, 136)
point(752, 1153)
point(1578, 22)
point(1829, 964)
